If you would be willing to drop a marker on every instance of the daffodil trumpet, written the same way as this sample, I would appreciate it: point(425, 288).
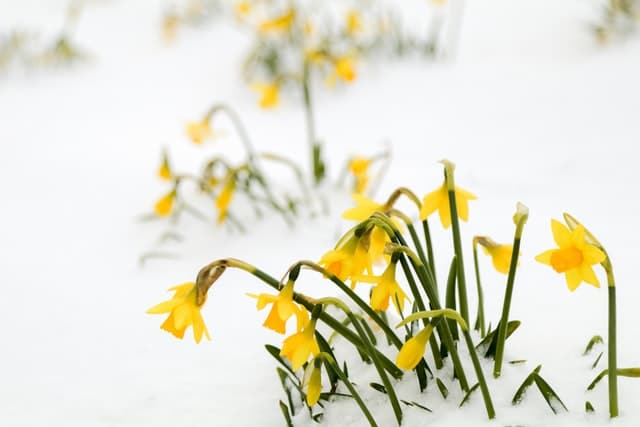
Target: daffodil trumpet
point(371, 351)
point(612, 356)
point(454, 315)
point(520, 219)
point(210, 273)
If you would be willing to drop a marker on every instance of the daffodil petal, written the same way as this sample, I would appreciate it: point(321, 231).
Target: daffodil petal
point(561, 234)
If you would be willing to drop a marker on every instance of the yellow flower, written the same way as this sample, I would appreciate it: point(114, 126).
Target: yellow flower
point(224, 198)
point(269, 94)
point(313, 382)
point(359, 168)
point(365, 207)
point(164, 205)
point(280, 23)
point(354, 23)
point(199, 131)
point(386, 288)
point(283, 307)
point(500, 254)
point(242, 8)
point(348, 261)
point(439, 200)
point(164, 171)
point(183, 312)
point(345, 68)
point(413, 350)
point(299, 346)
point(573, 257)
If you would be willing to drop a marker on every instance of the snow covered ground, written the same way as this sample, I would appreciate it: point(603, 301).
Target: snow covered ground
point(532, 110)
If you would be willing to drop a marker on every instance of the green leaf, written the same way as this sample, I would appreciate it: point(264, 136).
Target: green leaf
point(325, 347)
point(378, 387)
point(284, 376)
point(318, 417)
point(444, 391)
point(597, 339)
point(450, 297)
point(622, 372)
point(595, 363)
point(550, 395)
point(488, 345)
point(368, 331)
point(588, 407)
point(528, 381)
point(285, 413)
point(469, 393)
point(417, 405)
point(518, 362)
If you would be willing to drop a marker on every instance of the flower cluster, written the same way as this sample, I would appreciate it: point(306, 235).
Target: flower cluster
point(369, 253)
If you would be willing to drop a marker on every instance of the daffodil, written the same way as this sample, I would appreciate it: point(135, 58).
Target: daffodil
point(500, 254)
point(438, 200)
point(299, 346)
point(387, 288)
point(312, 381)
point(359, 168)
point(224, 198)
point(344, 68)
point(573, 257)
point(164, 205)
point(365, 207)
point(164, 171)
point(242, 8)
point(354, 23)
point(199, 131)
point(269, 94)
point(282, 23)
point(183, 312)
point(413, 350)
point(282, 308)
point(349, 260)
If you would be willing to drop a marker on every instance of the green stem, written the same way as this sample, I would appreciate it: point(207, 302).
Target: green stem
point(480, 323)
point(613, 364)
point(506, 305)
point(332, 363)
point(317, 166)
point(432, 263)
point(486, 396)
point(457, 245)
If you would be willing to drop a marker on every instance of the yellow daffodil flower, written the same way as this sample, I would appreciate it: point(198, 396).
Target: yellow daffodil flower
point(299, 346)
point(199, 131)
point(413, 350)
point(164, 205)
point(573, 257)
point(500, 254)
point(365, 207)
point(183, 312)
point(312, 381)
point(345, 68)
point(282, 308)
point(438, 200)
point(164, 171)
point(354, 23)
point(269, 94)
point(279, 24)
point(386, 288)
point(359, 168)
point(348, 261)
point(224, 198)
point(242, 8)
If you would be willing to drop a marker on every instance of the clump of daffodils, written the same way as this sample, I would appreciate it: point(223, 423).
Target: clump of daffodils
point(395, 310)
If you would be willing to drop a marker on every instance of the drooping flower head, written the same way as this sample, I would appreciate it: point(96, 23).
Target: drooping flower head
point(359, 168)
point(387, 288)
point(269, 94)
point(348, 260)
point(300, 346)
point(200, 131)
point(224, 198)
point(574, 256)
point(413, 350)
point(183, 312)
point(282, 308)
point(164, 205)
point(500, 254)
point(312, 381)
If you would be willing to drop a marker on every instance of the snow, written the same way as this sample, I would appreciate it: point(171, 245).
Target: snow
point(532, 110)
